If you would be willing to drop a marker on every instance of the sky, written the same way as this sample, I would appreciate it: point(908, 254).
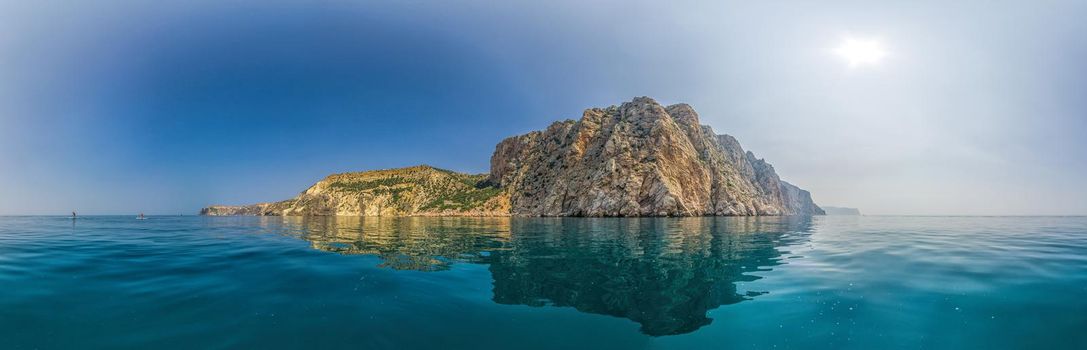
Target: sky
point(118, 107)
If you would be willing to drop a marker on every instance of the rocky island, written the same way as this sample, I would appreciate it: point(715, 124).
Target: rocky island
point(636, 159)
point(841, 211)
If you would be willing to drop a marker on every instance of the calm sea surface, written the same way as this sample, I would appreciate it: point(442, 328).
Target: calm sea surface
point(563, 283)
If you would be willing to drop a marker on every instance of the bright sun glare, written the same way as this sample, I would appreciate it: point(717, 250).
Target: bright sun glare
point(860, 52)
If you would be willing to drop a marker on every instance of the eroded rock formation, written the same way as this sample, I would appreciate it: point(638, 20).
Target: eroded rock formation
point(414, 191)
point(636, 159)
point(639, 159)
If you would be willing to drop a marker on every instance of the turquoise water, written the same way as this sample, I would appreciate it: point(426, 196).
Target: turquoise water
point(450, 283)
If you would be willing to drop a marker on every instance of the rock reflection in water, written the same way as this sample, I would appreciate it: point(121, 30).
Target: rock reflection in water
point(409, 243)
point(664, 273)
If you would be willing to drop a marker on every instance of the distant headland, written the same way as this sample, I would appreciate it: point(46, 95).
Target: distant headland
point(841, 211)
point(636, 159)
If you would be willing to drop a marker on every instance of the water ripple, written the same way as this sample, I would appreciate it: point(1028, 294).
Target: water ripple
point(828, 282)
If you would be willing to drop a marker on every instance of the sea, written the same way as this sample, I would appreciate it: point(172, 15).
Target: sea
point(826, 282)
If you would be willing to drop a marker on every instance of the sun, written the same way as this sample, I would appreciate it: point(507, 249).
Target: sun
point(860, 52)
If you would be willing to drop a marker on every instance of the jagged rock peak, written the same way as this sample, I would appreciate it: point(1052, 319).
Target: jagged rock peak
point(639, 159)
point(635, 159)
point(683, 113)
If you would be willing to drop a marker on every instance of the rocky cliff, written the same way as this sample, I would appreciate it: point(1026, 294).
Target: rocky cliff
point(637, 159)
point(415, 191)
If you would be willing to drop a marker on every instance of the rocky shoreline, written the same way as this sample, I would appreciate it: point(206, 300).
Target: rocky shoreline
point(636, 159)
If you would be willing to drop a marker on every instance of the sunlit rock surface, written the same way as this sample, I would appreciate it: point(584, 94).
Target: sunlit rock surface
point(414, 191)
point(640, 159)
point(636, 159)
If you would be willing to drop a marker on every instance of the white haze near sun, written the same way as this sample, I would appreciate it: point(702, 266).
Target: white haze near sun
point(975, 107)
point(861, 52)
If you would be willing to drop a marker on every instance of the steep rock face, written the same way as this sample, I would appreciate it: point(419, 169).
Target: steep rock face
point(639, 159)
point(414, 191)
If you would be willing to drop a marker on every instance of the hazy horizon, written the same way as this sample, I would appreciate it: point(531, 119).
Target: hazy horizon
point(120, 107)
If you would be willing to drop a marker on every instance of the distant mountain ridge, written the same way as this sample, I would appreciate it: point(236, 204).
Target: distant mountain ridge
point(841, 211)
point(636, 159)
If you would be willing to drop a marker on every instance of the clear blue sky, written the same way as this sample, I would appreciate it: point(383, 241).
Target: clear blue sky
point(980, 107)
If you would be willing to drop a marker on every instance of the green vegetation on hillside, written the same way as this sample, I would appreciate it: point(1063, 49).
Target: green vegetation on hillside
point(462, 198)
point(395, 192)
point(440, 189)
point(370, 184)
